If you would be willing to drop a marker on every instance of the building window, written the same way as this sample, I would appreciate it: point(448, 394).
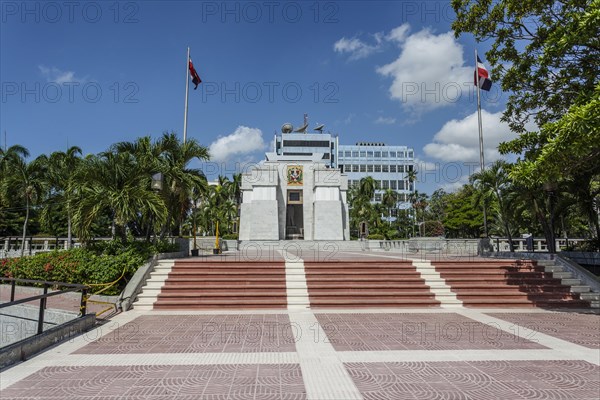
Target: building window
point(363, 153)
point(377, 168)
point(385, 168)
point(354, 167)
point(370, 154)
point(294, 196)
point(400, 185)
point(393, 154)
point(394, 212)
point(410, 154)
point(393, 185)
point(377, 196)
point(340, 154)
point(385, 184)
point(363, 168)
point(306, 143)
point(401, 169)
point(377, 154)
point(355, 154)
point(347, 153)
point(384, 154)
point(409, 168)
point(369, 168)
point(392, 168)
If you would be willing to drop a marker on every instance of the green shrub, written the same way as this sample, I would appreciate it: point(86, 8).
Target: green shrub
point(98, 265)
point(230, 236)
point(376, 236)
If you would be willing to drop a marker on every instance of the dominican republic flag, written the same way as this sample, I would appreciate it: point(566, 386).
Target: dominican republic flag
point(195, 78)
point(485, 83)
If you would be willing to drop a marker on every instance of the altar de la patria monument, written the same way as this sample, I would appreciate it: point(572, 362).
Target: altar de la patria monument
point(297, 192)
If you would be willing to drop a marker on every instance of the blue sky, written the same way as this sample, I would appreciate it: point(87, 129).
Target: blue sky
point(94, 73)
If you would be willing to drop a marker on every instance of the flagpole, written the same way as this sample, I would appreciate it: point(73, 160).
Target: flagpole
point(187, 90)
point(481, 156)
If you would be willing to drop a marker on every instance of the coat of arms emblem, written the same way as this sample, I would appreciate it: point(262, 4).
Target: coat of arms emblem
point(294, 175)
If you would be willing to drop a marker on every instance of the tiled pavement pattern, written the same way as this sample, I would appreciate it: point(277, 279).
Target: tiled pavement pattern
point(308, 363)
point(394, 331)
point(266, 381)
point(582, 329)
point(476, 380)
point(199, 334)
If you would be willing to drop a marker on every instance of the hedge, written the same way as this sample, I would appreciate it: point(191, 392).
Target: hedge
point(101, 264)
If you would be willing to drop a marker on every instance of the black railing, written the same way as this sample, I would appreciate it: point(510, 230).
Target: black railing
point(69, 287)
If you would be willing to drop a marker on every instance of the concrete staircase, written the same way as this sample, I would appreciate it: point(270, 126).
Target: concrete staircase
point(201, 284)
point(149, 294)
point(512, 283)
point(366, 284)
point(584, 291)
point(437, 284)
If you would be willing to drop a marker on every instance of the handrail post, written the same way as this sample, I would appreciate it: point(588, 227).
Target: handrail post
point(42, 308)
point(12, 290)
point(83, 306)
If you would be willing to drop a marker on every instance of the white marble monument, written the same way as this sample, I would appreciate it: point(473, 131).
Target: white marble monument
point(294, 197)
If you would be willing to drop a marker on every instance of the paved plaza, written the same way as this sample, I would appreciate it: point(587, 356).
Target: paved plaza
point(341, 354)
point(346, 353)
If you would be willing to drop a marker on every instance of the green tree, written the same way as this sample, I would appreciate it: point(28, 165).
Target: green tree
point(25, 180)
point(462, 219)
point(180, 179)
point(10, 219)
point(545, 53)
point(389, 199)
point(113, 182)
point(494, 185)
point(60, 177)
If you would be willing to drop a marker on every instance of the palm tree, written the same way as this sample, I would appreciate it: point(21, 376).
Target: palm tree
point(62, 169)
point(418, 202)
point(389, 200)
point(493, 183)
point(367, 187)
point(412, 178)
point(25, 181)
point(114, 182)
point(180, 179)
point(8, 156)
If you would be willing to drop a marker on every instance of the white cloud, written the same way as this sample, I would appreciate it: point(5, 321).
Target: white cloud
point(385, 120)
point(243, 141)
point(58, 76)
point(458, 140)
point(429, 72)
point(356, 48)
point(399, 34)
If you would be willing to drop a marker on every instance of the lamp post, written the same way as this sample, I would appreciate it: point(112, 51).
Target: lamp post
point(550, 189)
point(157, 181)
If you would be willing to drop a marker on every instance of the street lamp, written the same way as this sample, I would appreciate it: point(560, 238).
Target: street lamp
point(550, 189)
point(157, 181)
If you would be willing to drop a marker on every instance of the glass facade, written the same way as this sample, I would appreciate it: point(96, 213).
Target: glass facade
point(388, 165)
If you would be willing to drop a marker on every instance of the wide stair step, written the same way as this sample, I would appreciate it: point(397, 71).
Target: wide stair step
point(198, 284)
point(366, 284)
point(510, 283)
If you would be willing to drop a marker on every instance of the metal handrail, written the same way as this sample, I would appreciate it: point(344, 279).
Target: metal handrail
point(71, 287)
